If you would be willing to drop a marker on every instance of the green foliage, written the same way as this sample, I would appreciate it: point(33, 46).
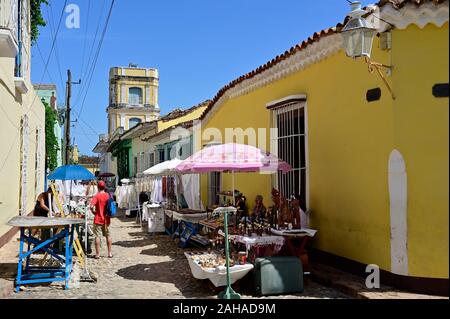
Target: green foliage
point(36, 18)
point(51, 142)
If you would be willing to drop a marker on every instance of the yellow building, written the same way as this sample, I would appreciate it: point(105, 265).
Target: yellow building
point(371, 170)
point(91, 163)
point(22, 120)
point(133, 97)
point(149, 143)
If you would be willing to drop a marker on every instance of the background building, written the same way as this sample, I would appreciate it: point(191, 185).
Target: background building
point(133, 100)
point(133, 97)
point(48, 94)
point(91, 163)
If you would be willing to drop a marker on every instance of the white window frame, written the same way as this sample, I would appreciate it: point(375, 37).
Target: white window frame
point(140, 98)
point(287, 104)
point(150, 162)
point(212, 189)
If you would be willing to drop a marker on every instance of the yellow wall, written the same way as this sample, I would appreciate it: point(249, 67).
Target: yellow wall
point(142, 85)
point(146, 114)
point(421, 134)
point(13, 106)
point(350, 141)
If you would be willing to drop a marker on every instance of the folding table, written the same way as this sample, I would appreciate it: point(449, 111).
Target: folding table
point(27, 274)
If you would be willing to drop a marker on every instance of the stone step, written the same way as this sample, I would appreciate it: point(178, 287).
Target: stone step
point(355, 287)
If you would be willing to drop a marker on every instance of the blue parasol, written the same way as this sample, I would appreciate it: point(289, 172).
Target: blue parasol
point(71, 173)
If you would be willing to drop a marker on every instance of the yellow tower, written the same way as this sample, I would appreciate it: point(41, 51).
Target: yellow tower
point(133, 97)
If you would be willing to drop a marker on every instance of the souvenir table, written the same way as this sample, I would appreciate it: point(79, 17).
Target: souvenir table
point(154, 215)
point(258, 246)
point(37, 274)
point(209, 266)
point(188, 223)
point(296, 240)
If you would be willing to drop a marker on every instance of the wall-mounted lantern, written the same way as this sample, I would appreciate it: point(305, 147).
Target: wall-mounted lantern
point(358, 35)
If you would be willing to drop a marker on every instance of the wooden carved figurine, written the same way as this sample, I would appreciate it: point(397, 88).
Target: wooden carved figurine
point(295, 212)
point(259, 211)
point(273, 211)
point(284, 213)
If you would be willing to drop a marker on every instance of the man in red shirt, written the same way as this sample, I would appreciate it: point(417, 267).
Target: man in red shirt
point(101, 220)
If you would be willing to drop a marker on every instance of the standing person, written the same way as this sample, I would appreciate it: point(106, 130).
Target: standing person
point(101, 220)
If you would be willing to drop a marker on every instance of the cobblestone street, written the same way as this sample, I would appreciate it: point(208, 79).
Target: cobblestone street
point(143, 266)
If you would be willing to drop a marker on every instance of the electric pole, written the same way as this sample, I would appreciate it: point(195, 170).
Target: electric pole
point(68, 123)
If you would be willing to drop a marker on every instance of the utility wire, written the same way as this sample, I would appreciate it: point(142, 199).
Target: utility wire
point(86, 75)
point(87, 136)
point(85, 38)
point(84, 122)
point(58, 63)
point(43, 61)
point(90, 71)
point(96, 56)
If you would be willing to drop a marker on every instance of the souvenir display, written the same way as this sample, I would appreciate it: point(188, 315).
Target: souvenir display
point(295, 213)
point(259, 210)
point(284, 213)
point(211, 260)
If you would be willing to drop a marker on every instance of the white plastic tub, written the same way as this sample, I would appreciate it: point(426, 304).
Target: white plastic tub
point(218, 276)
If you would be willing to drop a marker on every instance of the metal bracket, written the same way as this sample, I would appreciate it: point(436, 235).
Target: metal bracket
point(375, 66)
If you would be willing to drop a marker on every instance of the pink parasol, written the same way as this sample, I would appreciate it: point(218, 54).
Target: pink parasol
point(233, 158)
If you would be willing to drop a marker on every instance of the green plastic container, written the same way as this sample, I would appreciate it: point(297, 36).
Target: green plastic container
point(278, 275)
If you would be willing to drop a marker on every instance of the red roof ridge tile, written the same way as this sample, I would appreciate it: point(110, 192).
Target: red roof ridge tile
point(397, 4)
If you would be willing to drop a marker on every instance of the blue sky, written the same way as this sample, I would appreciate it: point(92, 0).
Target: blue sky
point(197, 45)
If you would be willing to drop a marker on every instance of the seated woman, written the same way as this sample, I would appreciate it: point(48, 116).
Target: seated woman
point(41, 209)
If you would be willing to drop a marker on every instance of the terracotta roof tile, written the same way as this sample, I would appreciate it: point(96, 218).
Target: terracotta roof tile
point(176, 113)
point(397, 4)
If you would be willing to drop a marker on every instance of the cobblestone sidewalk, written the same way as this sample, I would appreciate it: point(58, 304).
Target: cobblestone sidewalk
point(143, 266)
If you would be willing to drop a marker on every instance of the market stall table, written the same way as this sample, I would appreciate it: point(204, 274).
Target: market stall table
point(37, 274)
point(188, 223)
point(258, 245)
point(296, 240)
point(154, 215)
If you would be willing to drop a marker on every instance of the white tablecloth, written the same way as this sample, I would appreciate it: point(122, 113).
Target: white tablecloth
point(150, 208)
point(192, 218)
point(154, 214)
point(295, 232)
point(249, 242)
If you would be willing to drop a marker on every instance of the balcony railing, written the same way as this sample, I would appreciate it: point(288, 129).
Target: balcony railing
point(22, 59)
